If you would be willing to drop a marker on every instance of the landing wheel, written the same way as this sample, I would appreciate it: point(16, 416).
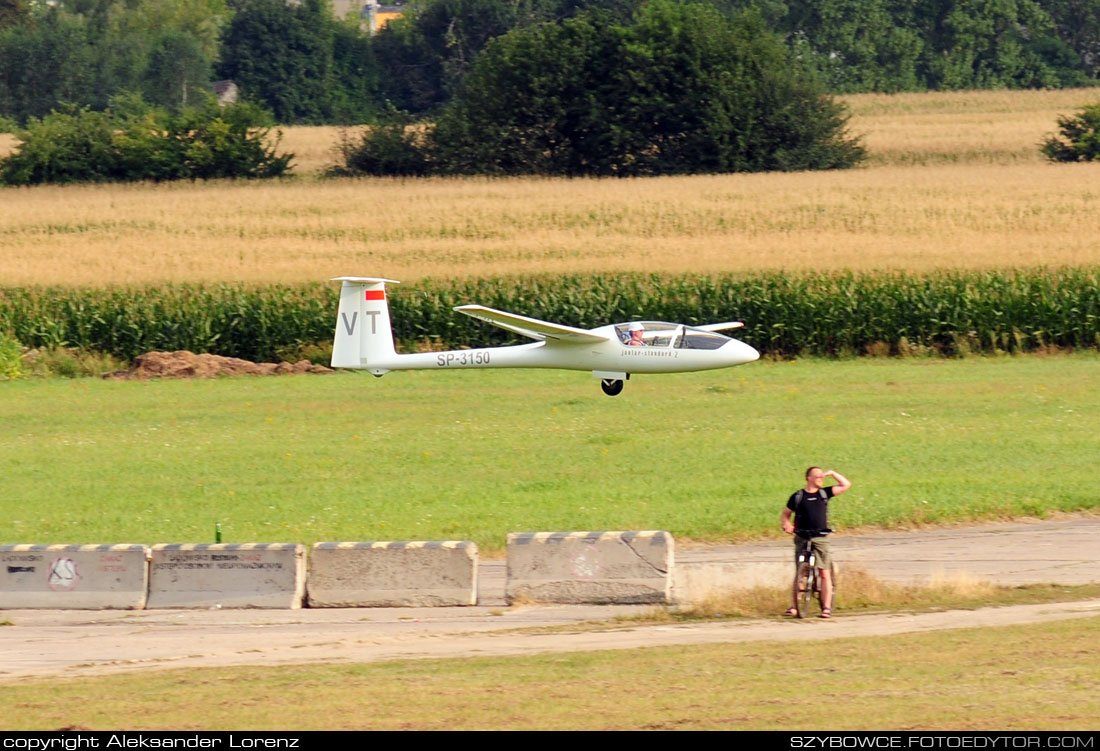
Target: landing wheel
point(611, 386)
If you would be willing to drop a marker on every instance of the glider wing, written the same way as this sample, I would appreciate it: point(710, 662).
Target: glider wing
point(531, 327)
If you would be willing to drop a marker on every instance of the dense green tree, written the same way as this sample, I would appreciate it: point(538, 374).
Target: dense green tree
point(44, 63)
point(537, 103)
point(87, 51)
point(856, 45)
point(895, 45)
point(125, 35)
point(354, 93)
point(177, 73)
point(424, 55)
point(981, 44)
point(276, 56)
point(12, 12)
point(290, 57)
point(1077, 26)
point(202, 20)
point(681, 90)
point(1079, 139)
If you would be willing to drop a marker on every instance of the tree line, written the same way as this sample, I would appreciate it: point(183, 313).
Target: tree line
point(678, 90)
point(552, 87)
point(294, 59)
point(302, 64)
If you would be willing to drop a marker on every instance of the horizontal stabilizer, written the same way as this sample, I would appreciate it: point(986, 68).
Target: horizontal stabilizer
point(530, 327)
point(720, 326)
point(363, 280)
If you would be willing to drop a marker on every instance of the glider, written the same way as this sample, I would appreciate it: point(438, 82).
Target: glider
point(364, 340)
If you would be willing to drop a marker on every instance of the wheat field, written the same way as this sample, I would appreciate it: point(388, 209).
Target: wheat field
point(954, 180)
point(961, 127)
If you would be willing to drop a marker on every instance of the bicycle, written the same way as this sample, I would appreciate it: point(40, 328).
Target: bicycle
point(807, 581)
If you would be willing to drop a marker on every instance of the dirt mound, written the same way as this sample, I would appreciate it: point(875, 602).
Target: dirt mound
point(184, 364)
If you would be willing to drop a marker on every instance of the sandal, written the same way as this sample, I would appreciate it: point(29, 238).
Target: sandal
point(826, 613)
point(791, 612)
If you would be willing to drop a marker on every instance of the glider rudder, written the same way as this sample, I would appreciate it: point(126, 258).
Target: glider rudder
point(363, 338)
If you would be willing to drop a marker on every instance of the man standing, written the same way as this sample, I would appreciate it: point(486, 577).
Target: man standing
point(810, 508)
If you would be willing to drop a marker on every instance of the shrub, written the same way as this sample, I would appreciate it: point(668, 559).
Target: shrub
point(228, 142)
point(389, 149)
point(70, 362)
point(11, 358)
point(1079, 140)
point(143, 143)
point(63, 147)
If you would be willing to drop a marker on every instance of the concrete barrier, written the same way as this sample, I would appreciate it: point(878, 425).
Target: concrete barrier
point(81, 577)
point(392, 574)
point(249, 575)
point(590, 567)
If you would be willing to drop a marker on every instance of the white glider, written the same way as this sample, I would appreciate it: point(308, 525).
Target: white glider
point(364, 340)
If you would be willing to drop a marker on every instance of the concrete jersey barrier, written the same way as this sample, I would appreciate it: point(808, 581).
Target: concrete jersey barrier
point(246, 575)
point(392, 574)
point(81, 577)
point(590, 567)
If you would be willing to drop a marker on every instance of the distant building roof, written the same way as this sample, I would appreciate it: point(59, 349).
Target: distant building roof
point(226, 92)
point(374, 15)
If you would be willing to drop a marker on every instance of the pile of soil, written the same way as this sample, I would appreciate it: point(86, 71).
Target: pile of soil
point(184, 364)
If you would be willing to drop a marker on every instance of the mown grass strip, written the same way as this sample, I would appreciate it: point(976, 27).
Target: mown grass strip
point(477, 454)
point(1033, 677)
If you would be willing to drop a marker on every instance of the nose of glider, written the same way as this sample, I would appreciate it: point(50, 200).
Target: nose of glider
point(741, 353)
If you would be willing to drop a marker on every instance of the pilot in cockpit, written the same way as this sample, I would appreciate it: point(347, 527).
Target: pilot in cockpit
point(636, 332)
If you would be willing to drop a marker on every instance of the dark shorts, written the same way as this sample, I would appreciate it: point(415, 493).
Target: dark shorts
point(820, 548)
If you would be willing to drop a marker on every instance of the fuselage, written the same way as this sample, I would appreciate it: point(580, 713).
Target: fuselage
point(363, 339)
point(669, 354)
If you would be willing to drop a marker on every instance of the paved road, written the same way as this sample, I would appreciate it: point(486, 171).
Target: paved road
point(74, 643)
point(1063, 551)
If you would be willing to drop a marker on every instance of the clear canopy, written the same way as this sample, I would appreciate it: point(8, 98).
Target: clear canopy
point(670, 335)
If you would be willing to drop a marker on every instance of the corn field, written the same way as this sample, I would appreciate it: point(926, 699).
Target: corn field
point(945, 313)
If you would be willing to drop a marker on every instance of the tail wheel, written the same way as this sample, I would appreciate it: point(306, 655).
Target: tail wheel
point(804, 579)
point(611, 386)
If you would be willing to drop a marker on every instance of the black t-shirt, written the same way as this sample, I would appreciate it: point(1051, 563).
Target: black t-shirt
point(813, 514)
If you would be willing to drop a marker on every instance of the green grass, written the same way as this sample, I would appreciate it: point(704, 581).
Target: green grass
point(1034, 677)
point(475, 455)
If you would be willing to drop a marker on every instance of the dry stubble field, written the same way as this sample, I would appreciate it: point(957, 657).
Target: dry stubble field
point(954, 180)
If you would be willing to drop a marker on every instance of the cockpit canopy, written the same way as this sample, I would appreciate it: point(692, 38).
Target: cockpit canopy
point(669, 335)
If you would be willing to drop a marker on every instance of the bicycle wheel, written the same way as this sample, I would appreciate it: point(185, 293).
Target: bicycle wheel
point(805, 581)
point(832, 578)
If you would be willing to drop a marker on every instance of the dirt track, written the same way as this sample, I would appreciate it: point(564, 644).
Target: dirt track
point(76, 643)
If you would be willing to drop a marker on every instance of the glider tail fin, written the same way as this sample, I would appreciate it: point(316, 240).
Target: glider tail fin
point(364, 338)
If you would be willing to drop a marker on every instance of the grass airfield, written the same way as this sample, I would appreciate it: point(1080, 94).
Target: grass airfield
point(708, 456)
point(954, 181)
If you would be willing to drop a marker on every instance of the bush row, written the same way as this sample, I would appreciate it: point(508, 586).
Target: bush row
point(944, 313)
point(132, 141)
